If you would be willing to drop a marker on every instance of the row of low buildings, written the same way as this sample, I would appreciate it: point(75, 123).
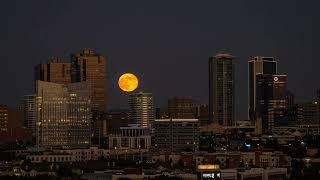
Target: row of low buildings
point(231, 159)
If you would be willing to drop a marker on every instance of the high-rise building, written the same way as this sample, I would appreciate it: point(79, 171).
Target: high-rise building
point(141, 108)
point(258, 65)
point(90, 66)
point(271, 99)
point(63, 114)
point(56, 71)
point(176, 135)
point(29, 112)
point(221, 89)
point(181, 108)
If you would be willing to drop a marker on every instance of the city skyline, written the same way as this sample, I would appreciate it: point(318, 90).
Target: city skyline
point(286, 36)
point(160, 90)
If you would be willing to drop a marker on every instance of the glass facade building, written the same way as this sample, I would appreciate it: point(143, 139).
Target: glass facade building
point(271, 101)
point(63, 114)
point(221, 89)
point(258, 65)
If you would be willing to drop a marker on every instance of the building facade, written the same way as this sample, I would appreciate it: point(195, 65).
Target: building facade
point(271, 99)
point(221, 89)
point(141, 109)
point(11, 128)
point(133, 136)
point(56, 71)
point(176, 135)
point(63, 114)
point(4, 116)
point(90, 66)
point(258, 65)
point(29, 112)
point(181, 108)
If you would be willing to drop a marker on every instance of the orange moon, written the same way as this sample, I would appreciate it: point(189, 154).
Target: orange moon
point(128, 82)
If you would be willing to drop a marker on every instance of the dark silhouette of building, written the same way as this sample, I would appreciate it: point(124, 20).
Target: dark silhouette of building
point(11, 128)
point(202, 113)
point(116, 119)
point(181, 108)
point(257, 66)
point(221, 89)
point(162, 113)
point(271, 99)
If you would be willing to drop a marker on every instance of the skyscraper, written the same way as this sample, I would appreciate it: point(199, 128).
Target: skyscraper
point(258, 65)
point(271, 102)
point(221, 89)
point(141, 108)
point(181, 108)
point(63, 114)
point(90, 66)
point(56, 71)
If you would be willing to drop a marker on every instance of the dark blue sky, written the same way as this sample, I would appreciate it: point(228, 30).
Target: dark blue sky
point(166, 43)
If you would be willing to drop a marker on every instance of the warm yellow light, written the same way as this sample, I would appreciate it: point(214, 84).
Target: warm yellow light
point(208, 167)
point(128, 82)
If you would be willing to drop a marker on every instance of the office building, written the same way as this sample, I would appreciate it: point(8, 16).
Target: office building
point(181, 108)
point(29, 112)
point(63, 114)
point(271, 99)
point(56, 71)
point(176, 135)
point(258, 65)
point(90, 66)
point(221, 89)
point(141, 109)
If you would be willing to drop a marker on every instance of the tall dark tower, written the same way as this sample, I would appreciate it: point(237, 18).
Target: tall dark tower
point(271, 99)
point(221, 89)
point(258, 65)
point(90, 66)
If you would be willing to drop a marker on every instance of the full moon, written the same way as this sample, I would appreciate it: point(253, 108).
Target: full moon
point(128, 82)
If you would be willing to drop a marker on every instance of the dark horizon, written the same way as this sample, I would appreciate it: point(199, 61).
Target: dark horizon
point(166, 44)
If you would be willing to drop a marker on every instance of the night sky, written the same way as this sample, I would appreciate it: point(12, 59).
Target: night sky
point(165, 43)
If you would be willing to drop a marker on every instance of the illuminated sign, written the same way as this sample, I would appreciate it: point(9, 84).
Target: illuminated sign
point(208, 167)
point(208, 175)
point(211, 175)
